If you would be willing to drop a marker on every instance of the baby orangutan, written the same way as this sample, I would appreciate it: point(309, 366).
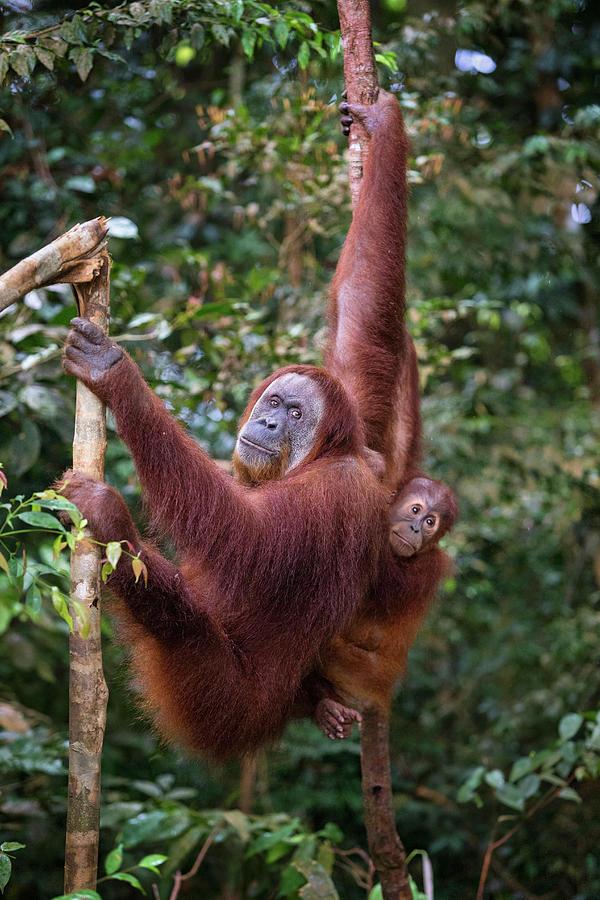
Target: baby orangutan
point(365, 661)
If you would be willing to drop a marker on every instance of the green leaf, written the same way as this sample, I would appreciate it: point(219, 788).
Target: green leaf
point(3, 66)
point(511, 796)
point(303, 55)
point(11, 846)
point(4, 126)
point(569, 794)
point(248, 43)
point(521, 767)
point(107, 570)
point(85, 894)
point(41, 520)
point(290, 882)
point(282, 32)
point(5, 870)
point(113, 553)
point(569, 726)
point(114, 860)
point(130, 879)
point(145, 827)
point(495, 778)
point(22, 60)
point(45, 56)
point(239, 822)
point(60, 605)
point(83, 59)
point(4, 564)
point(529, 785)
point(152, 861)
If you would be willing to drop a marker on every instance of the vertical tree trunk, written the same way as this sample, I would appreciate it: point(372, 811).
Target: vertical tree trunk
point(79, 257)
point(360, 74)
point(88, 694)
point(385, 847)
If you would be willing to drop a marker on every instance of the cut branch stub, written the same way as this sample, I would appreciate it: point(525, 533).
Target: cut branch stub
point(75, 256)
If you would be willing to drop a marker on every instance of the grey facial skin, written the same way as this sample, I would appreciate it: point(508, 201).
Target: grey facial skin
point(286, 416)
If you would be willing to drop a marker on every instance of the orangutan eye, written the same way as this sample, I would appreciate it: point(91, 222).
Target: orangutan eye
point(430, 521)
point(274, 402)
point(415, 509)
point(295, 413)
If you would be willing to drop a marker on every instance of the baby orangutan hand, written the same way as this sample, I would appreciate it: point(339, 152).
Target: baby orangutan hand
point(335, 720)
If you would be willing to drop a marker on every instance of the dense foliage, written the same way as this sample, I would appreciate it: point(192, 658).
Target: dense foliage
point(208, 132)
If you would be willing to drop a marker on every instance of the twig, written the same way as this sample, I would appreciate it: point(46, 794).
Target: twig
point(495, 844)
point(179, 878)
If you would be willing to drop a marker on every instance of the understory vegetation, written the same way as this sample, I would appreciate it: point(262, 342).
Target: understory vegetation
point(209, 133)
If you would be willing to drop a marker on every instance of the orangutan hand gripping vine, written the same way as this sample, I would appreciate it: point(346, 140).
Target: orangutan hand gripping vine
point(271, 569)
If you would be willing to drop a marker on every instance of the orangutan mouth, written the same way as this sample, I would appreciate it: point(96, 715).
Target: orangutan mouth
point(244, 440)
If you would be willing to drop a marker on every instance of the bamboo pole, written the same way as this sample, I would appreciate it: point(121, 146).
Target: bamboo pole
point(385, 847)
point(79, 257)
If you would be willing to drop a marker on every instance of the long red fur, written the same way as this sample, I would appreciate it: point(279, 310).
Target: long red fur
point(373, 354)
point(268, 575)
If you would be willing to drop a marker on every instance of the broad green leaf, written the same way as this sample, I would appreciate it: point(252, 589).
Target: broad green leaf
point(569, 794)
point(495, 778)
point(45, 56)
point(22, 60)
point(303, 55)
point(130, 879)
point(511, 796)
point(106, 570)
point(282, 32)
point(521, 767)
point(239, 822)
point(41, 520)
point(85, 894)
point(11, 846)
point(114, 860)
point(5, 870)
point(529, 785)
point(248, 43)
point(4, 126)
point(152, 861)
point(569, 726)
point(3, 66)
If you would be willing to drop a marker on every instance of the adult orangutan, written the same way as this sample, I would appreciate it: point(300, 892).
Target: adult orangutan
point(373, 354)
point(271, 569)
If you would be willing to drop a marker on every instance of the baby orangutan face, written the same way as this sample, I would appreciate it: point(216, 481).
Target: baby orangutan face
point(420, 515)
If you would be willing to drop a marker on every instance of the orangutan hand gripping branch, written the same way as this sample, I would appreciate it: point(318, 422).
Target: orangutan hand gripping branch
point(373, 354)
point(271, 569)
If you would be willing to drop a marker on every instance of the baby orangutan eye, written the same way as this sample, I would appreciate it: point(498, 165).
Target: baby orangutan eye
point(415, 509)
point(430, 521)
point(295, 413)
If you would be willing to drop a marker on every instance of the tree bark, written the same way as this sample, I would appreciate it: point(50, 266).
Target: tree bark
point(385, 847)
point(360, 74)
point(88, 694)
point(79, 257)
point(73, 257)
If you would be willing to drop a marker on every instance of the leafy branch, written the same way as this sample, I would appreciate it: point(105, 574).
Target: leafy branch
point(191, 28)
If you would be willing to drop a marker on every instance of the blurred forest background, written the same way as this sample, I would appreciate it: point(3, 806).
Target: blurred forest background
point(209, 132)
